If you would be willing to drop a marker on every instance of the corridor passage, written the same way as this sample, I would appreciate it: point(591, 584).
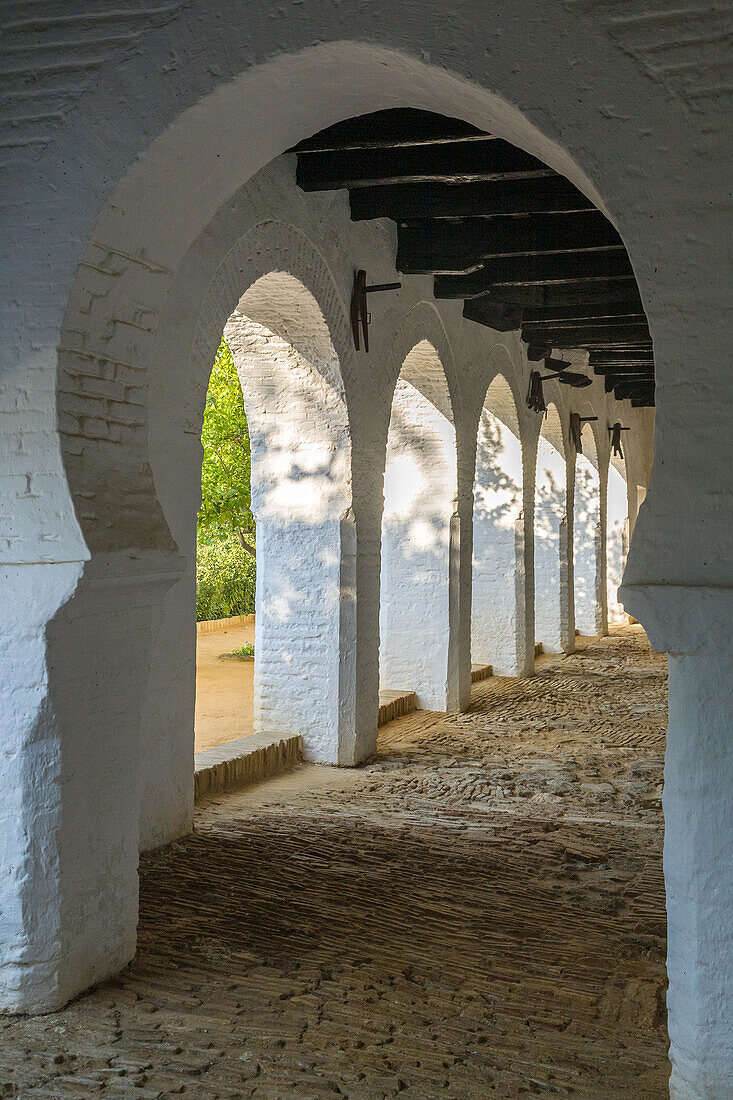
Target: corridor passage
point(479, 912)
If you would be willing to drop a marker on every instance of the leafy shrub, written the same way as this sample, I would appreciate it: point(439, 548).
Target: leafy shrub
point(226, 469)
point(225, 580)
point(243, 652)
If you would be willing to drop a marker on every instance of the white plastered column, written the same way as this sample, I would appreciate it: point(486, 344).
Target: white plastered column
point(693, 626)
point(301, 501)
point(420, 540)
point(587, 542)
point(551, 536)
point(498, 576)
point(617, 535)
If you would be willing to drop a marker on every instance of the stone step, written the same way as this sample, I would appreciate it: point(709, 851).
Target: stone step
point(481, 672)
point(393, 704)
point(243, 762)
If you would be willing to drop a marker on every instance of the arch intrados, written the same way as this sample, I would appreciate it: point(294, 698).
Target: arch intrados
point(274, 276)
point(281, 304)
point(621, 464)
point(162, 231)
point(423, 369)
point(363, 78)
point(421, 354)
point(590, 447)
point(501, 402)
point(551, 429)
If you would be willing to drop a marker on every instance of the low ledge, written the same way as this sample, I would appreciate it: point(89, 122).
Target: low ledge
point(243, 762)
point(481, 672)
point(394, 704)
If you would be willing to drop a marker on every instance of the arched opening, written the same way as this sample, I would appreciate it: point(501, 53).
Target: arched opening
point(617, 539)
point(172, 257)
point(587, 538)
point(420, 485)
point(550, 535)
point(300, 500)
point(498, 534)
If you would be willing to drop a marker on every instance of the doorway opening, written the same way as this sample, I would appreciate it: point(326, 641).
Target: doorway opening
point(587, 539)
point(418, 533)
point(278, 502)
point(498, 535)
point(550, 536)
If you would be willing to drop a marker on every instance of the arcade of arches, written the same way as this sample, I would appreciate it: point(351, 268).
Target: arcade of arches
point(469, 901)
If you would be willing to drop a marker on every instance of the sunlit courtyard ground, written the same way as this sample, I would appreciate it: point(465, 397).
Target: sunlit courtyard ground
point(478, 912)
point(223, 687)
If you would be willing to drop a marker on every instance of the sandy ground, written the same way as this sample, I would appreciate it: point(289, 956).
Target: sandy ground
point(478, 912)
point(223, 688)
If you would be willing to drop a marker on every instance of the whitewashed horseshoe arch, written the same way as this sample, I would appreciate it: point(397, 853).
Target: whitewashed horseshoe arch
point(550, 534)
point(225, 266)
point(301, 500)
point(420, 609)
point(273, 88)
point(498, 534)
point(587, 535)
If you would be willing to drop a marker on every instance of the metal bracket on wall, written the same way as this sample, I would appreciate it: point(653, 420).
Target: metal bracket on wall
point(359, 314)
point(576, 429)
point(614, 430)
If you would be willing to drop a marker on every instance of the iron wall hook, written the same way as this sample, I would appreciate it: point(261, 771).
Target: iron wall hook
point(359, 311)
point(576, 429)
point(614, 430)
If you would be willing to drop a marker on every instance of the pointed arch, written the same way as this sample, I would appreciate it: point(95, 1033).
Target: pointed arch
point(587, 538)
point(497, 566)
point(301, 499)
point(550, 533)
point(420, 487)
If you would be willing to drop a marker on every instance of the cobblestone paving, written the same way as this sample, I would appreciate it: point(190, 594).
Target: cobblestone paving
point(479, 912)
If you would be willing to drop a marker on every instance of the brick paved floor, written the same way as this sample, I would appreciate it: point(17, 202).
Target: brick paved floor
point(477, 913)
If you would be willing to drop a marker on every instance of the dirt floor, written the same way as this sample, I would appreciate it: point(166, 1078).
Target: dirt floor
point(479, 912)
point(223, 687)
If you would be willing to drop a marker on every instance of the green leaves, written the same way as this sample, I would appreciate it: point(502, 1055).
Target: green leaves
point(225, 570)
point(226, 468)
point(225, 580)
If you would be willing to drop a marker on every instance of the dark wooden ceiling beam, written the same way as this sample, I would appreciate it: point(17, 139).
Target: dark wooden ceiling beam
point(520, 244)
point(610, 331)
point(620, 320)
point(496, 315)
point(455, 163)
point(625, 390)
point(635, 355)
point(392, 128)
point(482, 238)
point(594, 312)
point(501, 276)
point(622, 370)
point(559, 295)
point(487, 199)
point(561, 340)
point(610, 382)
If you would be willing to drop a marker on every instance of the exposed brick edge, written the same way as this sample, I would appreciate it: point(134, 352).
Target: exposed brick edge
point(243, 762)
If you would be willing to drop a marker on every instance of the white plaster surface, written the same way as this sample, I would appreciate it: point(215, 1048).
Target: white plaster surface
point(419, 501)
point(498, 502)
point(587, 541)
point(99, 441)
point(550, 519)
point(301, 501)
point(617, 528)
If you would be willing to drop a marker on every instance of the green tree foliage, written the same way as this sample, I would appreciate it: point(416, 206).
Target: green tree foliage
point(225, 473)
point(225, 564)
point(225, 580)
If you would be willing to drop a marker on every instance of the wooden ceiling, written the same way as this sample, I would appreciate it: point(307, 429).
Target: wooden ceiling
point(496, 227)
